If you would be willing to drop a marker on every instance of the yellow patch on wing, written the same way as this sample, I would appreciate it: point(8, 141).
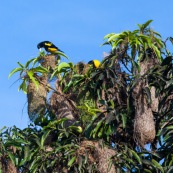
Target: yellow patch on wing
point(48, 44)
point(52, 50)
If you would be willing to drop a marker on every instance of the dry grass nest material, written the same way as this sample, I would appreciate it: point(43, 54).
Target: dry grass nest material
point(36, 98)
point(97, 154)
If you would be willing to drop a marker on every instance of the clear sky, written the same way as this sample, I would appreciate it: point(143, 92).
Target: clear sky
point(76, 27)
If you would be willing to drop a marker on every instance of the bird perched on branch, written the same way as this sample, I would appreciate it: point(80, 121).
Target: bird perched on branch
point(49, 47)
point(96, 63)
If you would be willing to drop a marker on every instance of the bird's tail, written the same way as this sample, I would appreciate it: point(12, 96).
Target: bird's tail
point(60, 50)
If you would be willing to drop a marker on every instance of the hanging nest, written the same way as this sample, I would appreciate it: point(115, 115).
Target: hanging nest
point(37, 98)
point(7, 166)
point(81, 68)
point(144, 125)
point(62, 106)
point(97, 154)
point(145, 65)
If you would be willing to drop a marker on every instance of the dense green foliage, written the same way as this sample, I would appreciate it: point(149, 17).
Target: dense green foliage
point(105, 104)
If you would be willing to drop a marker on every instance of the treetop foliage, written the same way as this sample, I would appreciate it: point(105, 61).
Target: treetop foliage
point(88, 119)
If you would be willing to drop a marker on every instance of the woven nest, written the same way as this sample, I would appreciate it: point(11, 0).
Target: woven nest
point(8, 166)
point(49, 62)
point(36, 98)
point(98, 154)
point(82, 68)
point(144, 125)
point(62, 106)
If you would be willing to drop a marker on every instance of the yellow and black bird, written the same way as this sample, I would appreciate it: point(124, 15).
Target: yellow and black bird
point(96, 63)
point(49, 47)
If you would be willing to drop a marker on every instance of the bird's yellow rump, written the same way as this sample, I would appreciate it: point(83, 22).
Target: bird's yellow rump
point(49, 47)
point(96, 63)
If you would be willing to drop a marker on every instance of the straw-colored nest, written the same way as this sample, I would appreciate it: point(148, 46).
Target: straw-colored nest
point(62, 106)
point(36, 98)
point(97, 154)
point(8, 166)
point(81, 68)
point(145, 66)
point(144, 125)
point(49, 62)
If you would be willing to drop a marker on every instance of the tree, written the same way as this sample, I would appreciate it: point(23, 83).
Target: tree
point(97, 119)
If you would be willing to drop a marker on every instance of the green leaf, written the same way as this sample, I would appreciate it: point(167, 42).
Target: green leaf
point(108, 35)
point(157, 165)
point(75, 128)
point(71, 161)
point(169, 127)
point(147, 171)
point(171, 39)
point(41, 69)
point(136, 156)
point(157, 52)
point(31, 76)
point(12, 157)
point(97, 128)
point(44, 137)
point(147, 23)
point(28, 62)
point(55, 72)
point(124, 119)
point(113, 37)
point(100, 133)
point(53, 124)
point(21, 65)
point(63, 65)
point(26, 156)
point(14, 71)
point(62, 54)
point(35, 60)
point(110, 165)
point(23, 87)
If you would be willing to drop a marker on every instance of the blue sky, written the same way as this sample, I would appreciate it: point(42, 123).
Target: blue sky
point(76, 27)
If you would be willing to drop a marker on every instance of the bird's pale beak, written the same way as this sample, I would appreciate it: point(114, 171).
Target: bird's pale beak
point(40, 49)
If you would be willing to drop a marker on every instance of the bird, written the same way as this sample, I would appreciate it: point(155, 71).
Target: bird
point(96, 63)
point(49, 47)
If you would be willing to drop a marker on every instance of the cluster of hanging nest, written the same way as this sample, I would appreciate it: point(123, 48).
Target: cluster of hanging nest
point(64, 107)
point(61, 105)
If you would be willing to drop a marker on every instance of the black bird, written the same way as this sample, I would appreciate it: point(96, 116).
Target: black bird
point(49, 47)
